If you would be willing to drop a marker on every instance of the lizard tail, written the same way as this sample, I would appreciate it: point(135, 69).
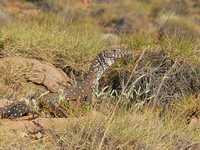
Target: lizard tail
point(14, 110)
point(99, 65)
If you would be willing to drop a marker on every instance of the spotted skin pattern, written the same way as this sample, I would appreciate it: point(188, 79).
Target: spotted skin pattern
point(79, 93)
point(98, 67)
point(14, 110)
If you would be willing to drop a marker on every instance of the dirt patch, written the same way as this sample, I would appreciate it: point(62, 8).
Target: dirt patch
point(32, 133)
point(37, 132)
point(70, 133)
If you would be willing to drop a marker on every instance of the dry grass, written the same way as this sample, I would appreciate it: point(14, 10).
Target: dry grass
point(73, 35)
point(127, 130)
point(53, 39)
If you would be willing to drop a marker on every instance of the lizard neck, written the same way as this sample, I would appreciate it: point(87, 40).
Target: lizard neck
point(98, 67)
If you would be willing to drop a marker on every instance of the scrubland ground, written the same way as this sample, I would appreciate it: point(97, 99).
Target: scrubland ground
point(164, 36)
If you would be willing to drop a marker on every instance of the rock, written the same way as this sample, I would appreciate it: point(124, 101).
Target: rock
point(38, 72)
point(48, 75)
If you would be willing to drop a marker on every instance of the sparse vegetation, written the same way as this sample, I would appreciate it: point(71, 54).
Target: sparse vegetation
point(68, 33)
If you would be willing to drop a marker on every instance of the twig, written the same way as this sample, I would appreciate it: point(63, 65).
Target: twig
point(161, 85)
point(132, 73)
point(115, 108)
point(43, 94)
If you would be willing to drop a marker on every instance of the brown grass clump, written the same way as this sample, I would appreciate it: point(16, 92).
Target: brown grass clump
point(179, 28)
point(158, 77)
point(55, 41)
point(68, 34)
point(186, 109)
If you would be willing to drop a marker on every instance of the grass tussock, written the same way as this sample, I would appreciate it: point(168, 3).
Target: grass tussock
point(52, 39)
point(68, 33)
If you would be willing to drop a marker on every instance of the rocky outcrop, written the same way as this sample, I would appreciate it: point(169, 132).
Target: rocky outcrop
point(36, 71)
